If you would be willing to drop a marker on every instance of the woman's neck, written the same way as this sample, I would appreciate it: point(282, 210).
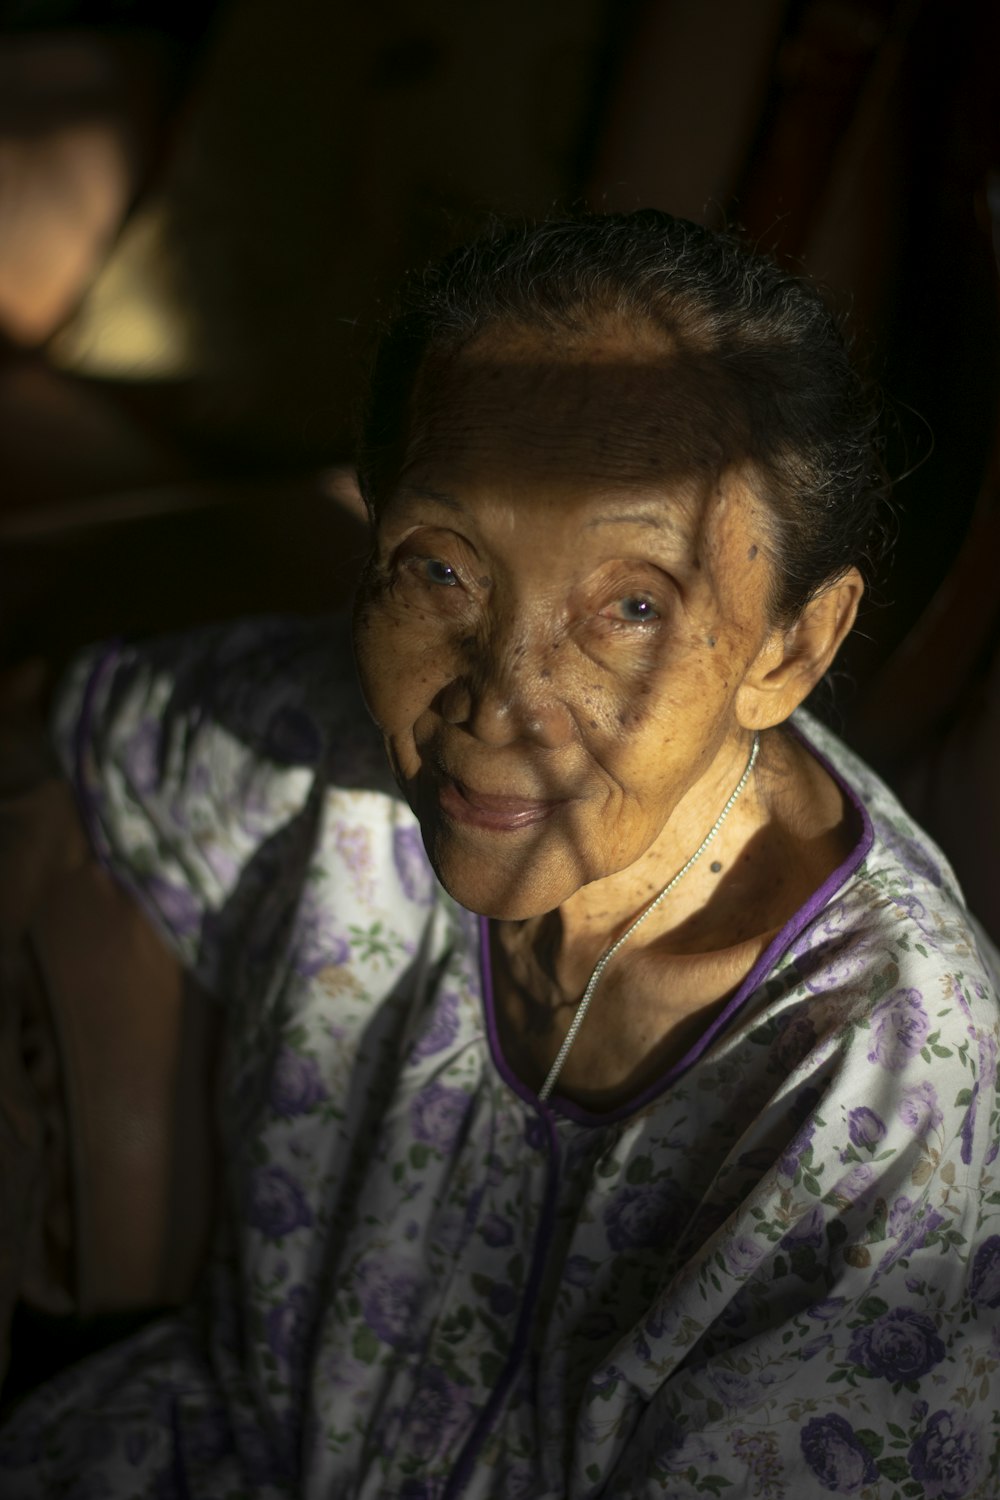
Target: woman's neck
point(683, 964)
point(566, 944)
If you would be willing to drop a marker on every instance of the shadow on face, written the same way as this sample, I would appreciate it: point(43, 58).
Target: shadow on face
point(570, 589)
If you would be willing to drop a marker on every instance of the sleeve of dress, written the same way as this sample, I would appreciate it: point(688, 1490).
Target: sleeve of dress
point(849, 1310)
point(196, 760)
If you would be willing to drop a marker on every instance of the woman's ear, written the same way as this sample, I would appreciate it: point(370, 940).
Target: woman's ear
point(792, 660)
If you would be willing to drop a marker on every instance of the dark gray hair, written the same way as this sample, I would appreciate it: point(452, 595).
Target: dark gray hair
point(763, 371)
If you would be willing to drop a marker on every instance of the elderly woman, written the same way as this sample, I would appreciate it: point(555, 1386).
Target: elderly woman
point(610, 1092)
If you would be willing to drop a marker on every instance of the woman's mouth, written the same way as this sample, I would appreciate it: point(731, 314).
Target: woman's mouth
point(462, 804)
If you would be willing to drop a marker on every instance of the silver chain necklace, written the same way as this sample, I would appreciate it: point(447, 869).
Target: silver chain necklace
point(608, 955)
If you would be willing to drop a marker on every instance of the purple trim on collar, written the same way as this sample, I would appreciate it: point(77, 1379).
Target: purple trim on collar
point(81, 737)
point(501, 1064)
point(465, 1463)
point(566, 1108)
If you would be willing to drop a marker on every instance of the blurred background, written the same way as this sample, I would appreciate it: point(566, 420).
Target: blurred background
point(203, 213)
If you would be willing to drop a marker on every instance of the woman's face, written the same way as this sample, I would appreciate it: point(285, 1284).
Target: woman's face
point(554, 631)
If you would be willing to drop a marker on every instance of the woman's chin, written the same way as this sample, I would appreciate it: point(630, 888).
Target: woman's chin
point(497, 890)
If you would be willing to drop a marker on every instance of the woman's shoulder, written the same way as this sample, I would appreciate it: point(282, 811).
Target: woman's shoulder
point(901, 897)
point(207, 764)
point(278, 691)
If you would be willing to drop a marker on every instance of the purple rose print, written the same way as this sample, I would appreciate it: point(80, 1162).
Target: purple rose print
point(916, 857)
point(865, 1128)
point(318, 943)
point(296, 1085)
point(175, 903)
point(412, 865)
point(285, 1327)
point(913, 856)
point(788, 1165)
point(899, 1028)
point(436, 1115)
point(984, 1283)
point(947, 1456)
point(743, 1255)
point(435, 1414)
point(496, 1232)
point(390, 1298)
point(899, 1216)
point(807, 1233)
point(853, 1186)
point(441, 1029)
point(911, 1230)
point(918, 1108)
point(827, 1310)
point(900, 1345)
point(732, 1388)
point(834, 956)
point(277, 1204)
point(640, 1216)
point(836, 1455)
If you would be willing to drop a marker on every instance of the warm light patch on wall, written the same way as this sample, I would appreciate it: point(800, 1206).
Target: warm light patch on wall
point(132, 324)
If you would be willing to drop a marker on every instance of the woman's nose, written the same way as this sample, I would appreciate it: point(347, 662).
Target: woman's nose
point(501, 706)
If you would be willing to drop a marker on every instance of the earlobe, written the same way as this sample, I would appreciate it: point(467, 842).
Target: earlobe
point(792, 661)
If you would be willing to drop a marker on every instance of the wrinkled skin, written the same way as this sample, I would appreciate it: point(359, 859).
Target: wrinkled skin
point(566, 643)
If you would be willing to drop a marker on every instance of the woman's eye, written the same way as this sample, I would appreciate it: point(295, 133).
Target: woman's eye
point(636, 609)
point(436, 571)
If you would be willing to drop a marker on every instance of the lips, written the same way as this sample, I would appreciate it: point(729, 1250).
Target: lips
point(463, 804)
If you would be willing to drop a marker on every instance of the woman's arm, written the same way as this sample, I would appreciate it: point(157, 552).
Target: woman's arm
point(197, 764)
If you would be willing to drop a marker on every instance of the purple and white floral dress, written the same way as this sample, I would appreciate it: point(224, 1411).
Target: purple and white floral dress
point(776, 1274)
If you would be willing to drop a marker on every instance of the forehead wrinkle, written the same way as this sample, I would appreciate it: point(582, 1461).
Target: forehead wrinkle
point(612, 454)
point(639, 415)
point(632, 518)
point(424, 492)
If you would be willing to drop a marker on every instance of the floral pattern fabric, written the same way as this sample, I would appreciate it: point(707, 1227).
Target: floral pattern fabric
point(776, 1274)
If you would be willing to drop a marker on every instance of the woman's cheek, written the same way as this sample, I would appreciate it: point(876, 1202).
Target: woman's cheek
point(402, 658)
